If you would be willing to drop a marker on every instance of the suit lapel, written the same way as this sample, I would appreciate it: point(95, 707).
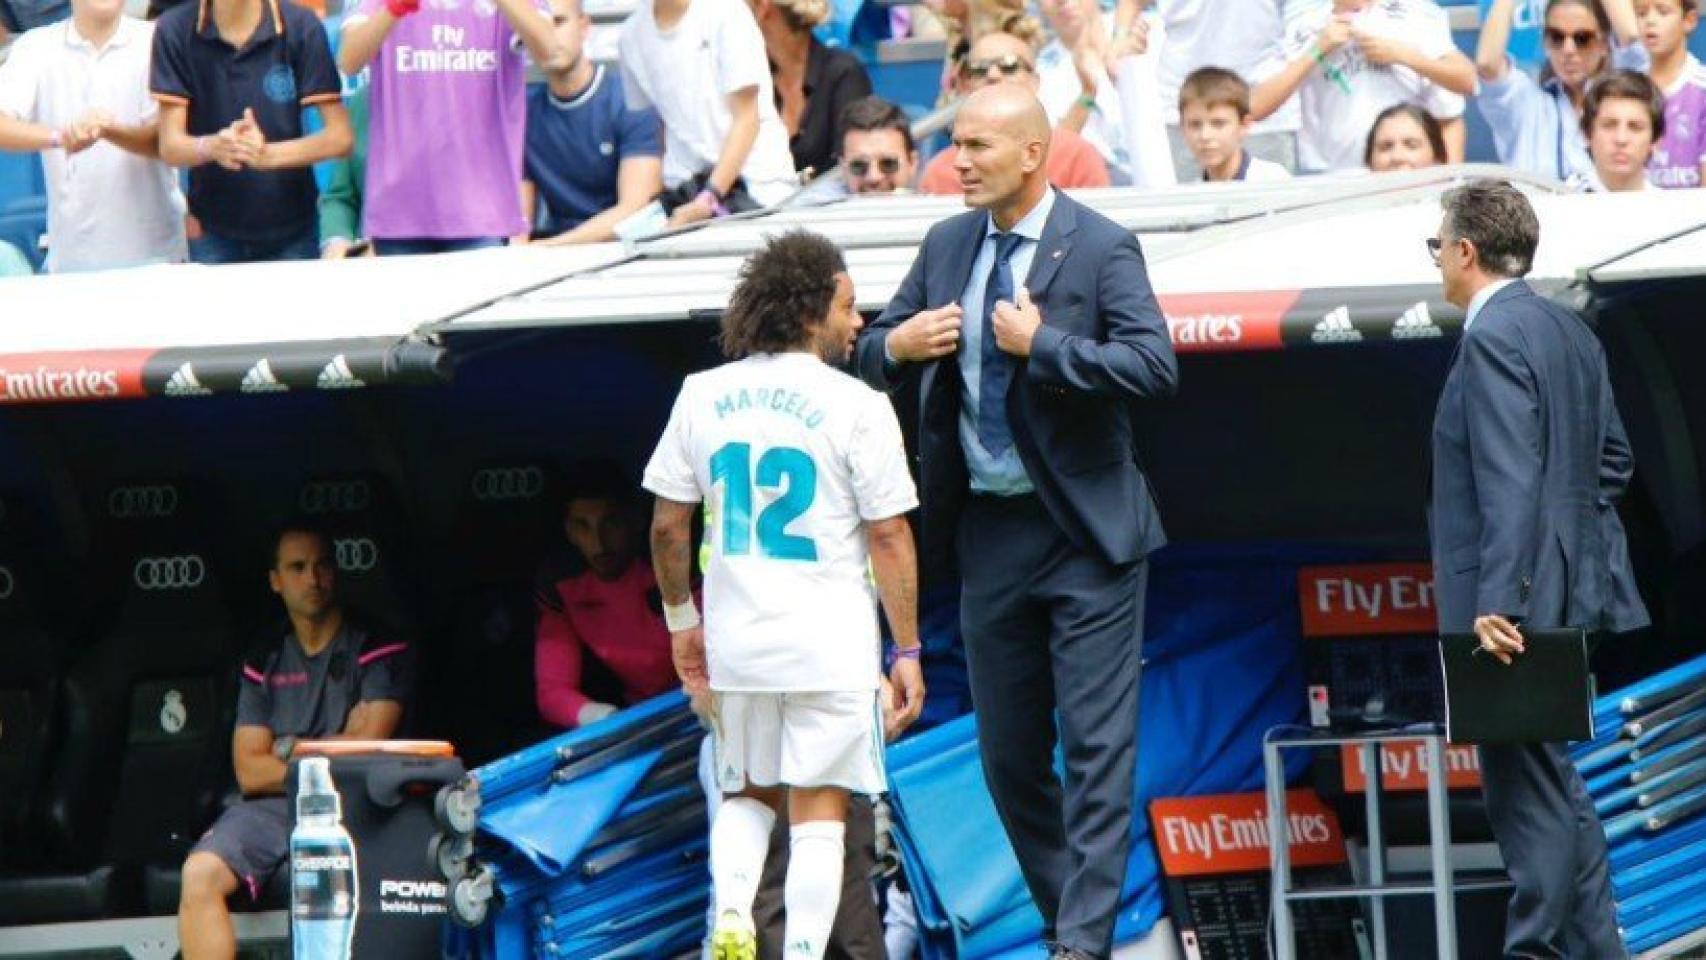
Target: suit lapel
point(1054, 246)
point(963, 246)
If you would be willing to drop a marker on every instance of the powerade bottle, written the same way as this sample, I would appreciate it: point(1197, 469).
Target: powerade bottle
point(323, 887)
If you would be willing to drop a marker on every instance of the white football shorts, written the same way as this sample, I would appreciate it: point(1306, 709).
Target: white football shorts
point(821, 739)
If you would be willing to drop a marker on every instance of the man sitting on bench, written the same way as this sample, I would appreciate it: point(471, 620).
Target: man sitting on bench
point(325, 679)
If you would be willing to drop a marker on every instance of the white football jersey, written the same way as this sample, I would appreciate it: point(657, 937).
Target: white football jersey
point(793, 457)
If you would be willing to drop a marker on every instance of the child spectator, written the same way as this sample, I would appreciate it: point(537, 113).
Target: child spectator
point(447, 113)
point(1350, 59)
point(77, 92)
point(1241, 35)
point(232, 77)
point(1214, 113)
point(814, 84)
point(701, 65)
point(1623, 116)
point(1007, 58)
point(1537, 124)
point(1404, 137)
point(1680, 157)
point(590, 159)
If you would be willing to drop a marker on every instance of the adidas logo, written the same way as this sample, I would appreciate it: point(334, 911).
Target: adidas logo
point(337, 376)
point(260, 379)
point(1416, 324)
point(1336, 327)
point(185, 384)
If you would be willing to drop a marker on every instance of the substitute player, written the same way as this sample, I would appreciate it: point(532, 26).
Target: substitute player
point(807, 477)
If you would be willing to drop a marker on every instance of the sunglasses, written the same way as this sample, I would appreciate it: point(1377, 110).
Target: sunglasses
point(888, 166)
point(1010, 65)
point(1582, 39)
point(1434, 248)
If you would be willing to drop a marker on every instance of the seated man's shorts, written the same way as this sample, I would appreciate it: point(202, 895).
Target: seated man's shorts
point(830, 739)
point(253, 838)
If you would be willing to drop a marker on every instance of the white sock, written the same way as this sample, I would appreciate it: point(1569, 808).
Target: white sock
point(816, 850)
point(740, 838)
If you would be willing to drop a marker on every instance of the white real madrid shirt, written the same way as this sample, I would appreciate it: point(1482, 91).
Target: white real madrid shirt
point(106, 207)
point(794, 458)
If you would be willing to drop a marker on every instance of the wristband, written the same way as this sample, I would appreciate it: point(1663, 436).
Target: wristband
point(1087, 101)
point(1333, 73)
point(681, 616)
point(283, 747)
point(202, 154)
point(897, 654)
point(56, 140)
point(402, 8)
point(713, 201)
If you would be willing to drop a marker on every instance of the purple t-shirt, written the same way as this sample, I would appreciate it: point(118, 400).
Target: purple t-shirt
point(1677, 156)
point(447, 123)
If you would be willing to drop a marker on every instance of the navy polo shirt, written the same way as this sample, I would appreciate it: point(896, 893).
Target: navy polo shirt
point(287, 65)
point(575, 147)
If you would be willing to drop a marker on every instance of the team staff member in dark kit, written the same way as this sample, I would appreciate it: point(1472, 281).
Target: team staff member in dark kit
point(1529, 458)
point(326, 679)
point(1031, 326)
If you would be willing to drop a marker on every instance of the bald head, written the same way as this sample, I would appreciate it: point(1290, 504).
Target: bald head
point(1012, 110)
point(1001, 138)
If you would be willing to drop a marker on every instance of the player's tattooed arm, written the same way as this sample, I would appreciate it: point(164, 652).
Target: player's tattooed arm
point(894, 561)
point(672, 549)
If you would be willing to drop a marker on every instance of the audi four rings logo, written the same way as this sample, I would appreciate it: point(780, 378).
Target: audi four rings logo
point(508, 483)
point(356, 554)
point(7, 584)
point(133, 503)
point(170, 573)
point(336, 496)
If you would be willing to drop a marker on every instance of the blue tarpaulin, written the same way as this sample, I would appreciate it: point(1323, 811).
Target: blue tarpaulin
point(1222, 665)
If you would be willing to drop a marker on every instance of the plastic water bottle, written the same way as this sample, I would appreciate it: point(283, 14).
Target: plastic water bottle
point(323, 886)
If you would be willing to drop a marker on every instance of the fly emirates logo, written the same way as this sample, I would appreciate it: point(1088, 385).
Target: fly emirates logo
point(449, 54)
point(1224, 833)
point(1366, 599)
point(1230, 833)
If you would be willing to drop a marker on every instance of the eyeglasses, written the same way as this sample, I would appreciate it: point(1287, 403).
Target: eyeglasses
point(860, 166)
point(1435, 247)
point(1582, 39)
point(1009, 65)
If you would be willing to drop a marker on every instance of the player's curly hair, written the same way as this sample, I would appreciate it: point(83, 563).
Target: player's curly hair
point(783, 294)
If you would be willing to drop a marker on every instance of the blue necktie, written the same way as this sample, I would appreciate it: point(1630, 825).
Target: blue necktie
point(997, 367)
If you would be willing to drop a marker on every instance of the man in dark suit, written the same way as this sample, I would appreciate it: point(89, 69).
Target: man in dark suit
point(1029, 472)
point(1529, 457)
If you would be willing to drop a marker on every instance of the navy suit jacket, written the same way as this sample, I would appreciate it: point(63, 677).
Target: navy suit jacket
point(1102, 345)
point(1529, 459)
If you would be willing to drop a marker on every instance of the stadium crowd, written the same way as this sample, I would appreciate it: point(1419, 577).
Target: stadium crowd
point(195, 134)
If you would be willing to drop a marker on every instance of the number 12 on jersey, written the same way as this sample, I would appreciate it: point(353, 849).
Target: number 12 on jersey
point(788, 469)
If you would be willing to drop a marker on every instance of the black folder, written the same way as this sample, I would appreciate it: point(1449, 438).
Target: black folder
point(1545, 694)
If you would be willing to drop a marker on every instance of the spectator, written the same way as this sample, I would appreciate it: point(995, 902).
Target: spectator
point(814, 84)
point(1214, 112)
point(877, 155)
point(591, 159)
point(1404, 137)
point(448, 109)
point(604, 621)
point(232, 77)
point(325, 679)
point(80, 88)
point(1537, 124)
point(341, 201)
point(701, 64)
point(1622, 117)
point(1240, 35)
point(1074, 85)
point(877, 152)
point(1007, 58)
point(1349, 59)
point(1680, 158)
